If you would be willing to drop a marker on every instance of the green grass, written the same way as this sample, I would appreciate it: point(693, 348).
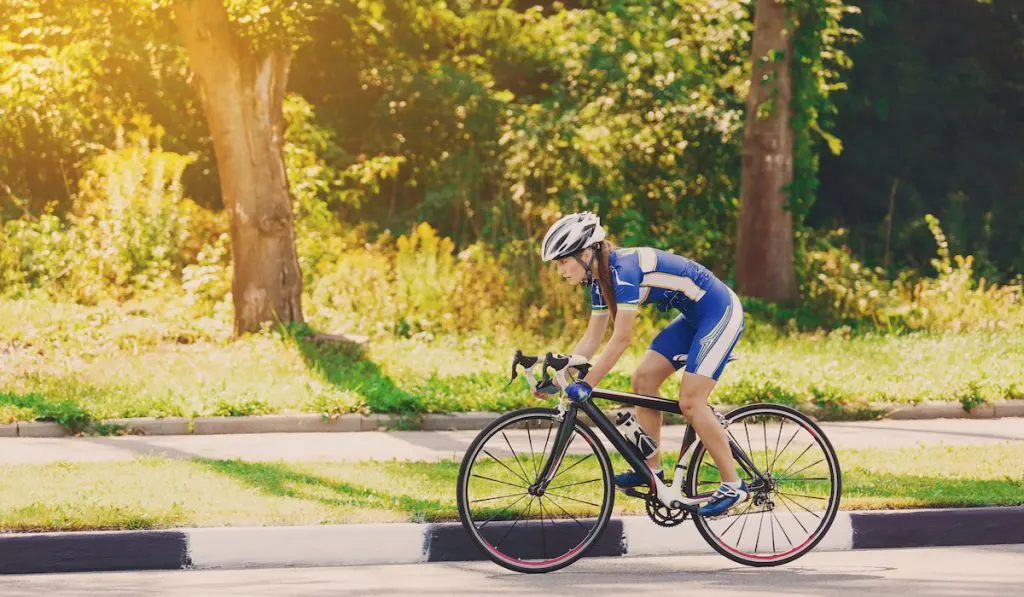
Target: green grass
point(156, 493)
point(74, 364)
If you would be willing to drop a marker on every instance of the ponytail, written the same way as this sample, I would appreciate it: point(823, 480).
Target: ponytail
point(604, 277)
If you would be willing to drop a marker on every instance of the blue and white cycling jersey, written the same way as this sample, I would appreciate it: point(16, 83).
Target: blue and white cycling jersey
point(645, 276)
point(711, 317)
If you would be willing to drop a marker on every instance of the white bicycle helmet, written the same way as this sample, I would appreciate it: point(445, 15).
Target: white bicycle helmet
point(571, 234)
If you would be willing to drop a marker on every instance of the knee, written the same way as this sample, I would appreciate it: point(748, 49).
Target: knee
point(689, 404)
point(644, 382)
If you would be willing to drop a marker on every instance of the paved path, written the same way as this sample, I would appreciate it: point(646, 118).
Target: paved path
point(931, 572)
point(434, 445)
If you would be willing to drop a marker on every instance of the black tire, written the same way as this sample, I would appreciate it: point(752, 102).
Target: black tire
point(831, 488)
point(518, 557)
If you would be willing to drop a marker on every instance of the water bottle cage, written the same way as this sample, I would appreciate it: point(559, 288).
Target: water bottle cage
point(628, 426)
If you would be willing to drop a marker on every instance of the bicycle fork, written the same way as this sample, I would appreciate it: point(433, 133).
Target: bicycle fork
point(567, 422)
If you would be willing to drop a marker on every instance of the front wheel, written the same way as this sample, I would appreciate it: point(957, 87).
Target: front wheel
point(791, 506)
point(518, 529)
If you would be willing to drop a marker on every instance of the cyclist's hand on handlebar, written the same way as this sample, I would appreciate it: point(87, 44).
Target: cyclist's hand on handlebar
point(579, 391)
point(551, 389)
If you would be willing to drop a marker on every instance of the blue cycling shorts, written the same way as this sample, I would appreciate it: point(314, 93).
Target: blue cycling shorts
point(703, 336)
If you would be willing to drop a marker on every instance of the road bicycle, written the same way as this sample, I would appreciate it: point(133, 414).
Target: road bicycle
point(536, 488)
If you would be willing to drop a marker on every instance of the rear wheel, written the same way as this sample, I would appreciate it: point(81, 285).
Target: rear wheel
point(788, 511)
point(516, 528)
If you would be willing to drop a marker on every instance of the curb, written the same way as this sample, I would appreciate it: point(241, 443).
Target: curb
point(471, 421)
point(291, 423)
point(409, 543)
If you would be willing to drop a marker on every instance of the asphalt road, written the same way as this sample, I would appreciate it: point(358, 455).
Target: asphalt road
point(931, 572)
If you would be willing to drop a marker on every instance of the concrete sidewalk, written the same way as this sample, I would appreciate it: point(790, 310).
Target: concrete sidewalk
point(438, 445)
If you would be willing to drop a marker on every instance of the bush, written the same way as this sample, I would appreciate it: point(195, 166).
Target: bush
point(37, 407)
point(131, 229)
point(839, 290)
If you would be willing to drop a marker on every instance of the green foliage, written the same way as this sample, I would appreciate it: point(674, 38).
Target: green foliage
point(840, 290)
point(240, 406)
point(132, 230)
point(70, 70)
point(37, 407)
point(279, 25)
point(819, 59)
point(927, 127)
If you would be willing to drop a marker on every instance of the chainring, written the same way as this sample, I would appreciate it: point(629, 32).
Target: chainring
point(664, 516)
point(660, 514)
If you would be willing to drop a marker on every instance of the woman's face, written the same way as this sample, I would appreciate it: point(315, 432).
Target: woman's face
point(571, 270)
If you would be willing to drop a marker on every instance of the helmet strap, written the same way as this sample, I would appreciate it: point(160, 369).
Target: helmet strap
point(588, 267)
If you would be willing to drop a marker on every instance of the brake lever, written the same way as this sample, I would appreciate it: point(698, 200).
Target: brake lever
point(515, 372)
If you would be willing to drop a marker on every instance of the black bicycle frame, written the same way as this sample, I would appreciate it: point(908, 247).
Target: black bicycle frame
point(624, 447)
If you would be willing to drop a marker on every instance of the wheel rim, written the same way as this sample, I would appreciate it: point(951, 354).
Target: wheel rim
point(789, 514)
point(523, 529)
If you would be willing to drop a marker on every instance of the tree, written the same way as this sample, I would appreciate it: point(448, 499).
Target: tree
point(765, 266)
point(241, 88)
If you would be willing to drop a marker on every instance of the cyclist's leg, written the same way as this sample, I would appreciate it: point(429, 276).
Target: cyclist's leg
point(717, 334)
point(653, 370)
point(655, 367)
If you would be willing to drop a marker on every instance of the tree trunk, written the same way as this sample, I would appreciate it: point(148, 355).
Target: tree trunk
point(242, 94)
point(765, 266)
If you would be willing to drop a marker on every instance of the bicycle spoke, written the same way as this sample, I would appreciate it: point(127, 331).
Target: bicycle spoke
point(493, 518)
point(559, 473)
point(789, 441)
point(793, 514)
point(782, 496)
point(764, 428)
point(750, 445)
point(497, 481)
point(506, 467)
point(811, 497)
point(574, 484)
point(776, 454)
point(760, 523)
point(804, 469)
point(543, 537)
point(533, 455)
point(576, 520)
point(737, 517)
point(497, 497)
point(514, 523)
point(783, 529)
point(743, 526)
point(567, 446)
point(514, 455)
point(792, 464)
point(546, 439)
point(565, 497)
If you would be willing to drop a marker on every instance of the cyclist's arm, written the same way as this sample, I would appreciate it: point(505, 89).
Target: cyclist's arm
point(616, 346)
point(591, 339)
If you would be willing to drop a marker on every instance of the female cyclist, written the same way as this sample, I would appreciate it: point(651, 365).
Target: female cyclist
point(709, 324)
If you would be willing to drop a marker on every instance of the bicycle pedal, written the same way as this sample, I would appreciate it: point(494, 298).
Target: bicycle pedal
point(632, 492)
